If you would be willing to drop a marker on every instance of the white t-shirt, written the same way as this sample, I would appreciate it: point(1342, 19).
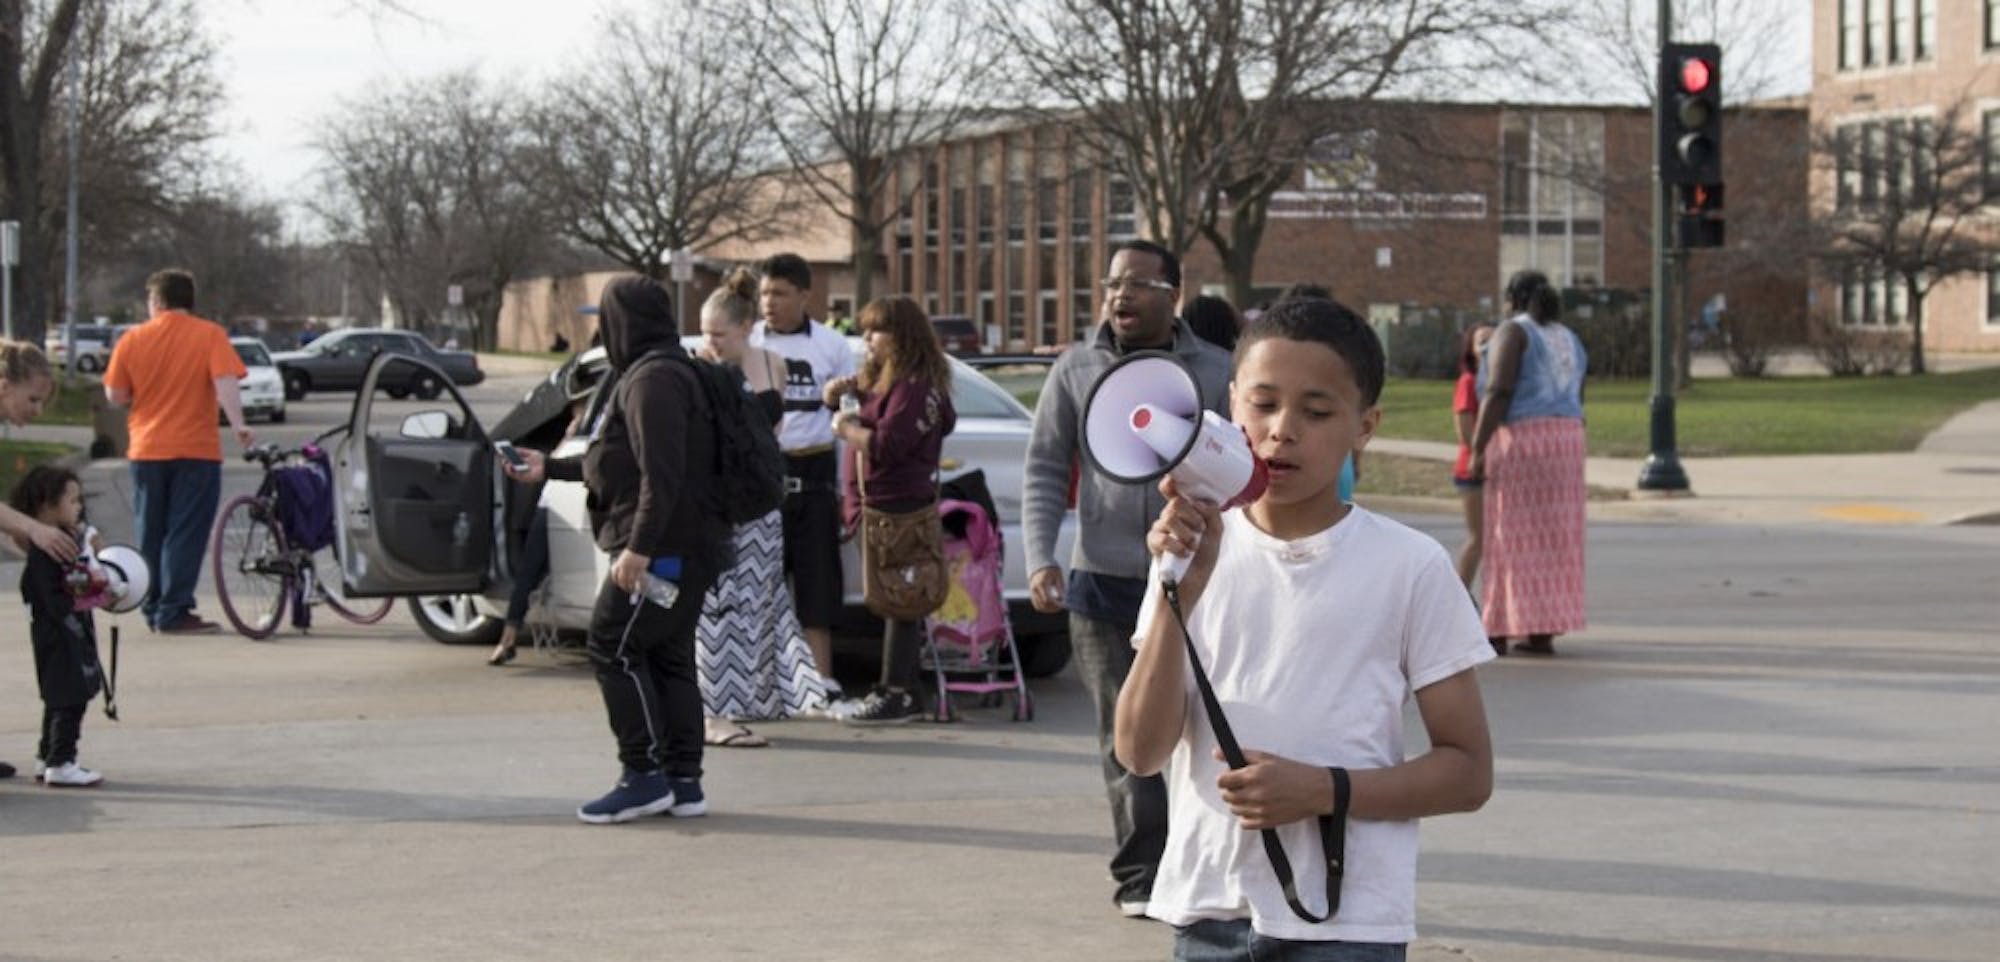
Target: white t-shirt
point(813, 356)
point(1313, 646)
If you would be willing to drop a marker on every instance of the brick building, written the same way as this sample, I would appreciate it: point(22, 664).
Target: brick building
point(1425, 205)
point(1880, 64)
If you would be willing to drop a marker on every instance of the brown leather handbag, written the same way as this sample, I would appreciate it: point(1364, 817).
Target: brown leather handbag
point(903, 571)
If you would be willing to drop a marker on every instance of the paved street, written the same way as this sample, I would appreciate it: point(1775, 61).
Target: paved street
point(1775, 742)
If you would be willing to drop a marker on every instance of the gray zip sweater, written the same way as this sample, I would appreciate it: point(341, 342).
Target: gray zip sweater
point(1112, 518)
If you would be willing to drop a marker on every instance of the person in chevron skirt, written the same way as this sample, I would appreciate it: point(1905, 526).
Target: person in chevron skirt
point(753, 657)
point(1528, 448)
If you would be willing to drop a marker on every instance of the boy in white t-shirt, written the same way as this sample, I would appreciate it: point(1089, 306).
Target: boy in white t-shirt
point(1315, 621)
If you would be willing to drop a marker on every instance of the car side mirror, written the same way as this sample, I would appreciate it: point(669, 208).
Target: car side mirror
point(427, 425)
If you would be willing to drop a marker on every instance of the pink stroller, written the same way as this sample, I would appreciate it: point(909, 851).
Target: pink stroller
point(969, 641)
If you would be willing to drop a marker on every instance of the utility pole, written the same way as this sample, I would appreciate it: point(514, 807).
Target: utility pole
point(1662, 470)
point(10, 254)
point(69, 254)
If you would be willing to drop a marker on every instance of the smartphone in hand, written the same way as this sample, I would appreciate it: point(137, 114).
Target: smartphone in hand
point(510, 455)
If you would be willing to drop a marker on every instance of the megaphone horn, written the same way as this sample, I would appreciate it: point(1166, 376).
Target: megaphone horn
point(1144, 419)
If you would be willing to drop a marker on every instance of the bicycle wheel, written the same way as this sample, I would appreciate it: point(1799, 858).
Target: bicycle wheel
point(326, 587)
point(251, 572)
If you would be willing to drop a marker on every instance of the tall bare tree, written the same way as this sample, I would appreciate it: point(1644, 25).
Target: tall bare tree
point(1910, 200)
point(422, 182)
point(650, 145)
point(849, 85)
point(1613, 46)
point(147, 90)
point(1211, 107)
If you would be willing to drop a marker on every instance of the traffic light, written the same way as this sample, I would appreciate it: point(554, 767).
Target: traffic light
point(1700, 221)
point(1691, 114)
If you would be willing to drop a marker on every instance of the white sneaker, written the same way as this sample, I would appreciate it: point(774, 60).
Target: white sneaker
point(41, 768)
point(70, 775)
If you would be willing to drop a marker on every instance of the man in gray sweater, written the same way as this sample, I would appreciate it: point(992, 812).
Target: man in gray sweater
point(1107, 576)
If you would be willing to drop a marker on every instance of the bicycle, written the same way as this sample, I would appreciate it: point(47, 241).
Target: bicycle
point(258, 571)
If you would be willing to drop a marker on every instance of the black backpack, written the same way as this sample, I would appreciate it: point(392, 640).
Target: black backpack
point(749, 466)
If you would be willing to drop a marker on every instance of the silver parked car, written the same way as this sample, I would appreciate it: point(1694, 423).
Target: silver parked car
point(413, 481)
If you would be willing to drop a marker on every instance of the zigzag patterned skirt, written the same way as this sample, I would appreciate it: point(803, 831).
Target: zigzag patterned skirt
point(753, 659)
point(1532, 570)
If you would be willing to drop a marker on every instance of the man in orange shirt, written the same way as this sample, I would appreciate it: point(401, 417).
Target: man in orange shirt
point(172, 371)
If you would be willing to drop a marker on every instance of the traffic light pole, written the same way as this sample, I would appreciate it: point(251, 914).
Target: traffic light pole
point(1662, 470)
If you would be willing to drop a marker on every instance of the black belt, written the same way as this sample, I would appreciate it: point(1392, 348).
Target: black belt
point(801, 485)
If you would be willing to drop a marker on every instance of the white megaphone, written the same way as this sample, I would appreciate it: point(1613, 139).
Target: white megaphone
point(128, 576)
point(1144, 418)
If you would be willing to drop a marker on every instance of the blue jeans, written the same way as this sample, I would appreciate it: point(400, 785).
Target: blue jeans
point(1232, 940)
point(173, 506)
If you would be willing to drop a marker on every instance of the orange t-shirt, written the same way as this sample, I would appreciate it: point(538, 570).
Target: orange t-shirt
point(170, 364)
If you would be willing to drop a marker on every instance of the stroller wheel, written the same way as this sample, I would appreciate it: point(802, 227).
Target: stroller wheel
point(1024, 708)
point(941, 708)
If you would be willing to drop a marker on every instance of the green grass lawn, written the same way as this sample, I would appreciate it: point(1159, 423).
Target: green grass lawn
point(16, 457)
point(1737, 416)
point(70, 404)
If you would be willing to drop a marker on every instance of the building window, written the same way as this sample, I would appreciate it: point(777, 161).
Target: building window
point(1992, 24)
point(1990, 130)
point(1121, 210)
point(1875, 33)
point(1850, 33)
point(1993, 294)
point(1926, 29)
point(1869, 299)
point(1888, 160)
point(1552, 202)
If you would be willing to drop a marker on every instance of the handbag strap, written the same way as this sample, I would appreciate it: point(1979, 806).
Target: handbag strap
point(1332, 828)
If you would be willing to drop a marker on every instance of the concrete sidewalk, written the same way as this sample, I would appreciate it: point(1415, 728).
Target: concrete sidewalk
point(1952, 478)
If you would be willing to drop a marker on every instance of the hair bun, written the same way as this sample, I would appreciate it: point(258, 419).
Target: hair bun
point(742, 282)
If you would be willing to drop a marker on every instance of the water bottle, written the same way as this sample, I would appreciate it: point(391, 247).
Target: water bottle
point(660, 583)
point(850, 405)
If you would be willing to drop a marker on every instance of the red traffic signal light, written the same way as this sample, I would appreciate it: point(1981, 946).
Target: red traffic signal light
point(1696, 73)
point(1690, 114)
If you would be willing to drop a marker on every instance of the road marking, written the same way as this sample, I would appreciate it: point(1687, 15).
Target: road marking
point(1871, 514)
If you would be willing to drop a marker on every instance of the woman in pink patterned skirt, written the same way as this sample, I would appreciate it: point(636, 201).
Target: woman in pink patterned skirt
point(1528, 446)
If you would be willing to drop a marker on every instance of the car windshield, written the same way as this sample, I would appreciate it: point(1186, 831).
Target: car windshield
point(253, 355)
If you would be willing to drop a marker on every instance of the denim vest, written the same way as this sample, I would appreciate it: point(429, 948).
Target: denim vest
point(1550, 381)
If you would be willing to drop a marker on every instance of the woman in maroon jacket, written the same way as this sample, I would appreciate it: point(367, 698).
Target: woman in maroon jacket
point(905, 412)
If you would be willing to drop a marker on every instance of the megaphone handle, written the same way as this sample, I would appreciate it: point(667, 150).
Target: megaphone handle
point(1174, 567)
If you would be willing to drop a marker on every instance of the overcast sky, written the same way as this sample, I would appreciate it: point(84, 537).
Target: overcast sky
point(286, 63)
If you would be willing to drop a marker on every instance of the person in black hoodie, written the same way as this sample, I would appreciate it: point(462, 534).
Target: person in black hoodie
point(648, 470)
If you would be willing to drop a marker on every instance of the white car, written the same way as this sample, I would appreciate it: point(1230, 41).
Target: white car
point(414, 482)
point(263, 387)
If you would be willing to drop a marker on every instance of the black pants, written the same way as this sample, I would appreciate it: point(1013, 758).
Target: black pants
point(645, 659)
point(533, 569)
point(902, 654)
point(62, 726)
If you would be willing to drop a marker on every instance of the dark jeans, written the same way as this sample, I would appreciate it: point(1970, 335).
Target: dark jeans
point(812, 539)
point(62, 727)
point(533, 569)
point(645, 662)
point(1138, 805)
point(902, 655)
point(173, 507)
point(1232, 940)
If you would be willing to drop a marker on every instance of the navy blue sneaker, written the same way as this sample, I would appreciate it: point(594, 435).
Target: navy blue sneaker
point(688, 799)
point(638, 795)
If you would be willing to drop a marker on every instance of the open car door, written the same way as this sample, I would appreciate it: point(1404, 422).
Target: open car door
point(416, 491)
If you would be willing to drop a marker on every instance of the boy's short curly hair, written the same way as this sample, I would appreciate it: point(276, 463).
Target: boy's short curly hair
point(1323, 321)
point(42, 486)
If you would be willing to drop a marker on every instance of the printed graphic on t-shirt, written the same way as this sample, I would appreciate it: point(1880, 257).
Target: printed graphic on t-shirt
point(802, 388)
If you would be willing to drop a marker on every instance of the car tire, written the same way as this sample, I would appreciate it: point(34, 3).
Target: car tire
point(426, 387)
point(278, 416)
point(297, 385)
point(396, 393)
point(87, 364)
point(1042, 656)
point(452, 620)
